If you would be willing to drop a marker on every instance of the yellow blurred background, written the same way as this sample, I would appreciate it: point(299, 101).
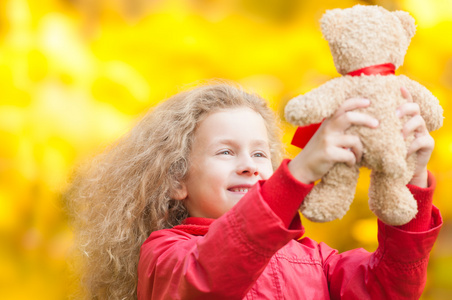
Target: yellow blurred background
point(75, 74)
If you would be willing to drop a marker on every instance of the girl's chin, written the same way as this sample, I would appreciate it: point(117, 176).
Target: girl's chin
point(241, 194)
point(235, 196)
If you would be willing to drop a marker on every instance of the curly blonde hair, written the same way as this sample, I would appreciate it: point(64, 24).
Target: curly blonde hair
point(118, 199)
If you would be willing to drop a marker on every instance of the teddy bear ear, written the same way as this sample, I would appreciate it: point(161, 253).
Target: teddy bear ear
point(407, 22)
point(330, 23)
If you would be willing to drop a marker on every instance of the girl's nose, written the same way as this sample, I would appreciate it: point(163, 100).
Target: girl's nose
point(247, 167)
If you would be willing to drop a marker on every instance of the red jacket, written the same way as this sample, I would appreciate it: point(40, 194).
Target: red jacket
point(249, 253)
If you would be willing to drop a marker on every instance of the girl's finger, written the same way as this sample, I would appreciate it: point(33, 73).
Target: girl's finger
point(345, 156)
point(422, 142)
point(350, 143)
point(349, 118)
point(408, 109)
point(353, 143)
point(406, 94)
point(352, 104)
point(414, 125)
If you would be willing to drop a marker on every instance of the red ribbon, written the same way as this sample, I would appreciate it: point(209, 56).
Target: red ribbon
point(383, 69)
point(305, 133)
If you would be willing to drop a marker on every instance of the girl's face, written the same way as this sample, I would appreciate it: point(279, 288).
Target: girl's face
point(230, 153)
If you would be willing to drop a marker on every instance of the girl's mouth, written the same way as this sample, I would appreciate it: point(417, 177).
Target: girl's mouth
point(239, 190)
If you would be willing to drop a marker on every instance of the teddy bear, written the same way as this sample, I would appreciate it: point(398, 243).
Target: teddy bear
point(368, 43)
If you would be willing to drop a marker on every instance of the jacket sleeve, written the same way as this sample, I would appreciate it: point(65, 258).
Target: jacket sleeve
point(223, 264)
point(397, 269)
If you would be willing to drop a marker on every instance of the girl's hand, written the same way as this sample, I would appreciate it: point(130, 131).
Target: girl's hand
point(423, 143)
point(331, 145)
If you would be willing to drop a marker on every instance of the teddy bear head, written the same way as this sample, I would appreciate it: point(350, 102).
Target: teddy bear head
point(366, 35)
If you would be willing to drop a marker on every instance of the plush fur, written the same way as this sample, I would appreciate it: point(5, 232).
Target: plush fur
point(359, 37)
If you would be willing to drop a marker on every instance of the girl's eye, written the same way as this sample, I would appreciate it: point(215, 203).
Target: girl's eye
point(225, 152)
point(259, 154)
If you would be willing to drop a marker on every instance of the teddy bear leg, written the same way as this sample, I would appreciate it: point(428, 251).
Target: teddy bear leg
point(390, 200)
point(393, 158)
point(330, 199)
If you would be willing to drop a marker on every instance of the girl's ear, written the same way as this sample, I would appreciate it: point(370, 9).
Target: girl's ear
point(180, 193)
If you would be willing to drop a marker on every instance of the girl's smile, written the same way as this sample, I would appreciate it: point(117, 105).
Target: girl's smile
point(240, 189)
point(230, 153)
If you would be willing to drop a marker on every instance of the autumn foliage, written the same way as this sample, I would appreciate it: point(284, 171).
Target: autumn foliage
point(75, 75)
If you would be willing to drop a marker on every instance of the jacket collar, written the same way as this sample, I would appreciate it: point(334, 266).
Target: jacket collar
point(195, 225)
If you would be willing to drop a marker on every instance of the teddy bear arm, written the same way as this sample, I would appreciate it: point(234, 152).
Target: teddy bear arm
point(315, 105)
point(430, 109)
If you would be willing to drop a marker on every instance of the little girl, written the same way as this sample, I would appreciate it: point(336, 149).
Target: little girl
point(194, 203)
